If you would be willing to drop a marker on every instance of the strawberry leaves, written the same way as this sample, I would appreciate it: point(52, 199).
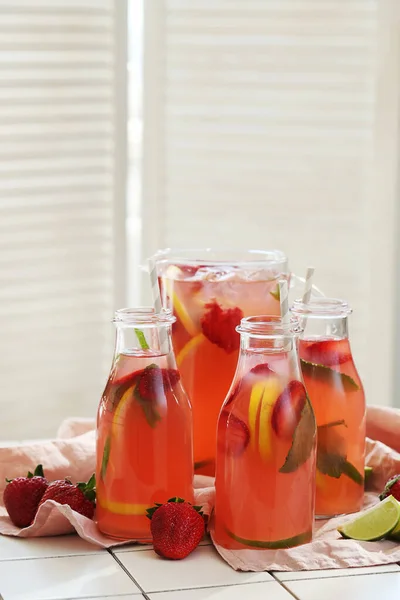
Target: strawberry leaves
point(89, 488)
point(150, 511)
point(38, 472)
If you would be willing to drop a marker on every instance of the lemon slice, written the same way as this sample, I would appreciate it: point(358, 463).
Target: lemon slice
point(187, 348)
point(123, 508)
point(256, 395)
point(272, 389)
point(262, 399)
point(319, 480)
point(173, 272)
point(119, 411)
point(375, 523)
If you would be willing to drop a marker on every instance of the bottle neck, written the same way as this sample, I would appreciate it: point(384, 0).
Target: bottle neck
point(279, 353)
point(327, 327)
point(149, 340)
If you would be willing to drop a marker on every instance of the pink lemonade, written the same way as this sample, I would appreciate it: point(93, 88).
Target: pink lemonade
point(266, 448)
point(144, 443)
point(336, 393)
point(209, 300)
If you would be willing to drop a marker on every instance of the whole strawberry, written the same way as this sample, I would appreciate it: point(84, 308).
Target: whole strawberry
point(80, 497)
point(22, 496)
point(177, 528)
point(392, 488)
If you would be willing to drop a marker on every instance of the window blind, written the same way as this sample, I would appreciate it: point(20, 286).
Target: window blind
point(265, 125)
point(62, 157)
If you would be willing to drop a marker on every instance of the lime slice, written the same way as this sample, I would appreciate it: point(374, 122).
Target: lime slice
point(375, 523)
point(296, 540)
point(367, 475)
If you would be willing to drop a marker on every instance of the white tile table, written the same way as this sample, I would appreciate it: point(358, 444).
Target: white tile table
point(67, 568)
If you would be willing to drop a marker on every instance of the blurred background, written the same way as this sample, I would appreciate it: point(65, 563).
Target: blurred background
point(132, 125)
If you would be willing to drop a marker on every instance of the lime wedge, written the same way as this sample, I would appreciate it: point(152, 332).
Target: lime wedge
point(375, 523)
point(395, 533)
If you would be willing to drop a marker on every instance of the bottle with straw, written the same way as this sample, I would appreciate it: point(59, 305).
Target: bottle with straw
point(266, 443)
point(336, 393)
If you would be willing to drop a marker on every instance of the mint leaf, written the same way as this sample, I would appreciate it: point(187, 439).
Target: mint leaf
point(142, 339)
point(335, 465)
point(149, 409)
point(106, 456)
point(303, 441)
point(332, 453)
point(276, 293)
point(353, 473)
point(328, 375)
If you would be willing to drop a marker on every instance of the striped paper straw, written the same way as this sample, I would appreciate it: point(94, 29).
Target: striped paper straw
point(155, 290)
point(284, 302)
point(308, 285)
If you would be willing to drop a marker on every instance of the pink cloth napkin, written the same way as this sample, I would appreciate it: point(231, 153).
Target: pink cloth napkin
point(72, 454)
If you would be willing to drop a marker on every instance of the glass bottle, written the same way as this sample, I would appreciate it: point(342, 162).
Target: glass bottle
point(144, 427)
point(266, 444)
point(337, 396)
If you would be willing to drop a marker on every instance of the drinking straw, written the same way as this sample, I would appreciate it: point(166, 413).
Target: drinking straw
point(155, 289)
point(283, 299)
point(308, 285)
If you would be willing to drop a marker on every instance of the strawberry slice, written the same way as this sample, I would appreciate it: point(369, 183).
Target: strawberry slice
point(327, 352)
point(190, 270)
point(154, 381)
point(262, 369)
point(235, 434)
point(219, 326)
point(288, 408)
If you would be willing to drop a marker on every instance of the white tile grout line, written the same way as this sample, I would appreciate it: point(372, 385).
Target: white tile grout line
point(282, 583)
point(335, 576)
point(214, 587)
point(128, 573)
point(94, 553)
point(113, 597)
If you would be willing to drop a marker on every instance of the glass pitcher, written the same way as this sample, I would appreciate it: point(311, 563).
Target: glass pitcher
point(144, 427)
point(266, 444)
point(210, 292)
point(337, 396)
